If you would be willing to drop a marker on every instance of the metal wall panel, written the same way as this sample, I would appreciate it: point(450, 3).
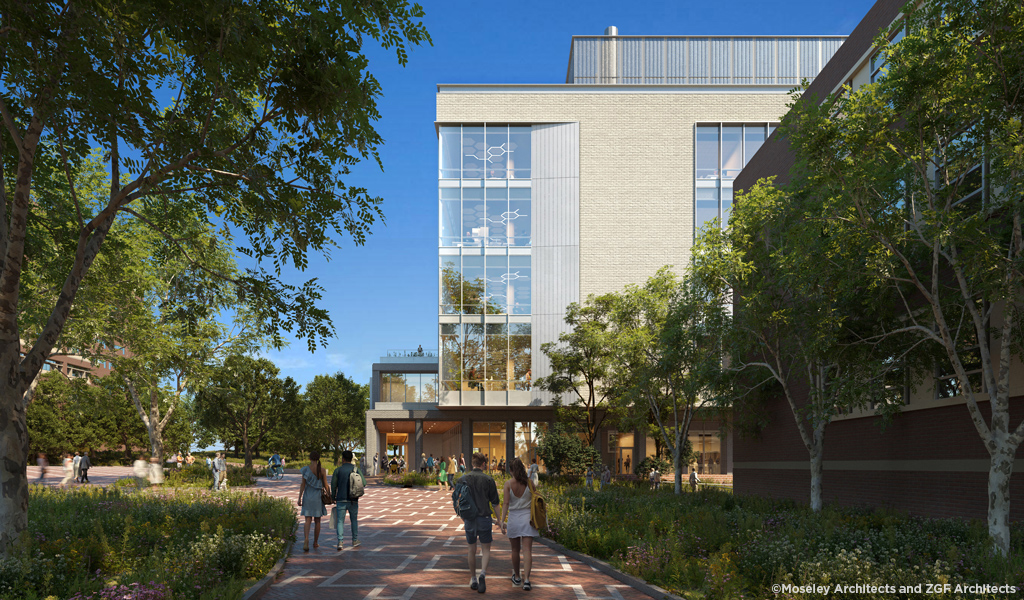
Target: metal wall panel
point(631, 60)
point(654, 61)
point(698, 63)
point(810, 50)
point(586, 56)
point(764, 50)
point(556, 237)
point(829, 46)
point(743, 61)
point(675, 57)
point(720, 65)
point(789, 61)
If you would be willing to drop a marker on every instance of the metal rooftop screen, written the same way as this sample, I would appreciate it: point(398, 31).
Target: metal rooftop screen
point(683, 60)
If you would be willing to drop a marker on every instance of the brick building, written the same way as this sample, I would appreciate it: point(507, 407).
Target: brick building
point(931, 460)
point(548, 193)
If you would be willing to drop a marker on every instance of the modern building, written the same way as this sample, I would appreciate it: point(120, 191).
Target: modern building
point(930, 461)
point(548, 193)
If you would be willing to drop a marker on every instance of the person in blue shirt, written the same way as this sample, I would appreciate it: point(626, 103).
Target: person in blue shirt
point(343, 504)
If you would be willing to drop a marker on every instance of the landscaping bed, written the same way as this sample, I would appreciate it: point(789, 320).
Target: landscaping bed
point(94, 544)
point(715, 545)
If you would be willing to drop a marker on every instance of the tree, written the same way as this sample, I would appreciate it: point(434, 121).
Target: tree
point(564, 452)
point(244, 401)
point(247, 114)
point(925, 168)
point(667, 353)
point(581, 365)
point(336, 410)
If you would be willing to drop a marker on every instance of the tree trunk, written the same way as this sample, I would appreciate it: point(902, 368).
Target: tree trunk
point(247, 447)
point(816, 474)
point(677, 462)
point(13, 475)
point(999, 472)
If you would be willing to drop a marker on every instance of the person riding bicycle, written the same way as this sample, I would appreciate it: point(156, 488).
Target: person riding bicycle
point(276, 470)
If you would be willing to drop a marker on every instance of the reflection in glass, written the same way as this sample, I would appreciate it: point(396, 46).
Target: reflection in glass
point(451, 285)
point(473, 356)
point(451, 153)
point(488, 438)
point(519, 284)
point(753, 139)
point(726, 205)
point(706, 207)
point(474, 223)
point(473, 291)
point(497, 357)
point(497, 217)
point(705, 153)
point(732, 157)
point(497, 284)
point(495, 154)
point(451, 217)
point(519, 216)
point(472, 152)
point(451, 356)
point(519, 355)
point(519, 158)
point(526, 441)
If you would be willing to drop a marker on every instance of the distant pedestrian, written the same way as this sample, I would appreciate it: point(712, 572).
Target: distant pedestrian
point(423, 463)
point(346, 504)
point(84, 467)
point(442, 475)
point(221, 472)
point(190, 460)
point(179, 459)
point(694, 480)
point(462, 463)
point(156, 471)
point(140, 468)
point(314, 482)
point(533, 473)
point(376, 463)
point(69, 466)
point(518, 495)
point(606, 476)
point(654, 478)
point(75, 466)
point(590, 478)
point(42, 464)
point(485, 497)
point(430, 465)
point(452, 470)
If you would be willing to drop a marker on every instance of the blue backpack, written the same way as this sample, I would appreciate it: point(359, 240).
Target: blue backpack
point(463, 502)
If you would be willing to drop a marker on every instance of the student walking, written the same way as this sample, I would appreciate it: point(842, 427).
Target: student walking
point(42, 464)
point(75, 466)
point(442, 475)
point(485, 498)
point(694, 480)
point(452, 470)
point(220, 472)
point(84, 467)
point(462, 463)
point(345, 503)
point(606, 476)
point(313, 480)
point(518, 494)
point(533, 473)
point(590, 478)
point(68, 470)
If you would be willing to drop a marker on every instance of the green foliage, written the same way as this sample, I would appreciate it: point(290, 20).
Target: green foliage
point(334, 413)
point(244, 401)
point(80, 541)
point(716, 545)
point(564, 452)
point(199, 476)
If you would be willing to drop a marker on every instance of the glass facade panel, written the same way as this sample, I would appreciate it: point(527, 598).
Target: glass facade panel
point(473, 353)
point(519, 157)
point(732, 152)
point(753, 139)
point(497, 375)
point(473, 151)
point(408, 387)
point(451, 217)
point(707, 448)
point(495, 154)
point(497, 284)
point(473, 291)
point(451, 155)
point(519, 216)
point(519, 284)
point(489, 439)
point(519, 355)
point(726, 205)
point(497, 216)
point(451, 356)
point(451, 285)
point(706, 153)
point(706, 207)
point(527, 439)
point(474, 217)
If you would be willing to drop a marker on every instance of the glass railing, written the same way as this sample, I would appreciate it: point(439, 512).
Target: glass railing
point(418, 352)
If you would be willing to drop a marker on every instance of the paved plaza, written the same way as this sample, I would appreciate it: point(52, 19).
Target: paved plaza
point(413, 548)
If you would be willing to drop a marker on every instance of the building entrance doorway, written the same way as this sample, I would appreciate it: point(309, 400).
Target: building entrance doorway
point(625, 462)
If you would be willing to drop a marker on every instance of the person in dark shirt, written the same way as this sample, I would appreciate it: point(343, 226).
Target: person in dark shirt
point(485, 496)
point(344, 504)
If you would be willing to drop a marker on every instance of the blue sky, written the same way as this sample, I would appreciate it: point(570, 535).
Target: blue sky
point(383, 295)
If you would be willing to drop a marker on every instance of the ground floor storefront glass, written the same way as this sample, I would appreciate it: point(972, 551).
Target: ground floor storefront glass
point(707, 450)
point(489, 439)
point(526, 441)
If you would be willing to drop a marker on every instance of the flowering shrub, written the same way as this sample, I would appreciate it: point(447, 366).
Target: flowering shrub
point(96, 544)
point(715, 545)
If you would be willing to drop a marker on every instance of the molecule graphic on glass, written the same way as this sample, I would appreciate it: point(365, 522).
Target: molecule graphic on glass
point(506, 217)
point(492, 152)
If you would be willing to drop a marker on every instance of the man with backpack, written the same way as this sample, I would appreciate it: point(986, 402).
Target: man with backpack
point(348, 485)
point(475, 498)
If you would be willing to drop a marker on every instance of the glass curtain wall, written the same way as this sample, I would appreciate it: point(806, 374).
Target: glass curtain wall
point(489, 438)
point(720, 153)
point(408, 387)
point(526, 441)
point(485, 202)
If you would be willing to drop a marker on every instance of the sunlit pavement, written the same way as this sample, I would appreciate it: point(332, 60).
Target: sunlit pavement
point(413, 548)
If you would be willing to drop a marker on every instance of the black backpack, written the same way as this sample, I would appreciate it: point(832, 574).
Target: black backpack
point(463, 502)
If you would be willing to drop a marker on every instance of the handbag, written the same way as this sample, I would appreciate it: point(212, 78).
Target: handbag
point(334, 518)
point(538, 510)
point(325, 496)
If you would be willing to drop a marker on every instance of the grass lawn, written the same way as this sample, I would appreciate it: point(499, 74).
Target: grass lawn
point(100, 544)
point(712, 544)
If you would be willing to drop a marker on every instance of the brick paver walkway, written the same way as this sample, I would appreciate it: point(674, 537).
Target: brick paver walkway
point(414, 548)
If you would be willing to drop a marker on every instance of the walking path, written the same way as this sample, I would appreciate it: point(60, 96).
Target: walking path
point(413, 548)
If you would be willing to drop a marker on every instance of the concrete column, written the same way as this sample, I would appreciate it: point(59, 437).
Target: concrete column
point(371, 440)
point(467, 442)
point(414, 460)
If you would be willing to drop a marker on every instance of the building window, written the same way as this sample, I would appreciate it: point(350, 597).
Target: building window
point(948, 385)
point(707, 449)
point(720, 153)
point(527, 439)
point(879, 59)
point(489, 439)
point(484, 152)
point(476, 216)
point(495, 284)
point(490, 357)
point(408, 387)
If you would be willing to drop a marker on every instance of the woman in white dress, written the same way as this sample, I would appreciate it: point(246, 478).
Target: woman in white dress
point(517, 494)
